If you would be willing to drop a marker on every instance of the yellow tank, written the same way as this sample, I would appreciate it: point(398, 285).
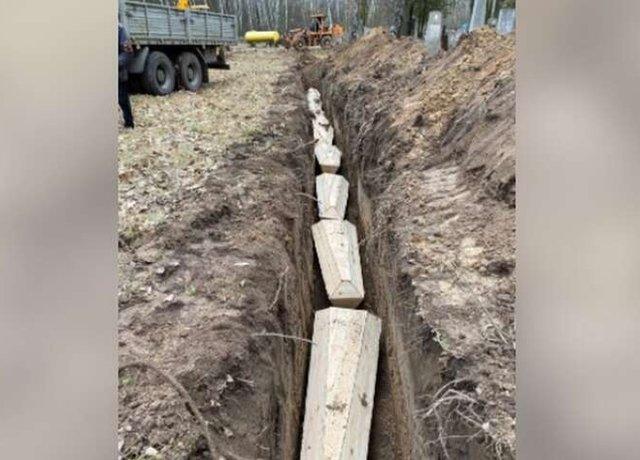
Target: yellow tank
point(262, 36)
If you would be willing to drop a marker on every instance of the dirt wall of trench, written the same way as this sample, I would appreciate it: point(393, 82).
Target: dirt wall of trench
point(429, 152)
point(234, 261)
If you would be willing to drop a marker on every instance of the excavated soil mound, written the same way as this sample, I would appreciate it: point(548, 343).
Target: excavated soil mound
point(429, 147)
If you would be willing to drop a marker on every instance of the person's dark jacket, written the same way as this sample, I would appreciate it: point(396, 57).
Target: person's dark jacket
point(124, 53)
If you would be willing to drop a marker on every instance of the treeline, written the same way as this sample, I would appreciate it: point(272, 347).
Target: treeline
point(408, 17)
point(283, 15)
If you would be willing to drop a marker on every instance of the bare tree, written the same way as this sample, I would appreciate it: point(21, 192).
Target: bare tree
point(405, 16)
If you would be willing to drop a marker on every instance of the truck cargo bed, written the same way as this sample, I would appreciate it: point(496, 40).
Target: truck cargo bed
point(159, 24)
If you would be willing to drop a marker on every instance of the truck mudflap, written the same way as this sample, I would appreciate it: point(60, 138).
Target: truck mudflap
point(136, 65)
point(219, 65)
point(214, 58)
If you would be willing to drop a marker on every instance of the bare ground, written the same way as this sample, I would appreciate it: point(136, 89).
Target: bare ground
point(430, 155)
point(210, 256)
point(216, 254)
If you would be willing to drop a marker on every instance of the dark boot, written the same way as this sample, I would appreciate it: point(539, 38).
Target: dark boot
point(125, 104)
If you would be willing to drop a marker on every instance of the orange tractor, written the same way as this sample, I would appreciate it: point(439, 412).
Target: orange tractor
point(318, 34)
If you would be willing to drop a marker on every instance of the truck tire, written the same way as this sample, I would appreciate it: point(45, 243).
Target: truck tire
point(159, 76)
point(191, 72)
point(326, 42)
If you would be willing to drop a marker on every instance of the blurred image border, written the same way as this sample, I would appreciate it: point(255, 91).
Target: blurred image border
point(578, 219)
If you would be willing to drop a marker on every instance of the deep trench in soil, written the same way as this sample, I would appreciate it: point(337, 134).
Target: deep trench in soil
point(392, 428)
point(268, 418)
point(407, 355)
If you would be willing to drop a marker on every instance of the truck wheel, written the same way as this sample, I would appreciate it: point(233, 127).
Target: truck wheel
point(190, 71)
point(159, 76)
point(326, 42)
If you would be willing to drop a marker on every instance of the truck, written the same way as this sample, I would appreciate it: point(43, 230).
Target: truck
point(175, 43)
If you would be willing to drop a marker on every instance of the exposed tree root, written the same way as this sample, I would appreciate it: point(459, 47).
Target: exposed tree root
point(188, 400)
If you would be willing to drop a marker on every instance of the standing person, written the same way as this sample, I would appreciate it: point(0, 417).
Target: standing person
point(315, 25)
point(125, 52)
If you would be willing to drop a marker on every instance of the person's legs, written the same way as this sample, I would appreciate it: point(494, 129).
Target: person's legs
point(125, 104)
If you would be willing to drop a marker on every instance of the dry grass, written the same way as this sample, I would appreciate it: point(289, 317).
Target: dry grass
point(180, 139)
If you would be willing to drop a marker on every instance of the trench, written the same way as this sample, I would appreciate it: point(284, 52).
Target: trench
point(408, 361)
point(410, 365)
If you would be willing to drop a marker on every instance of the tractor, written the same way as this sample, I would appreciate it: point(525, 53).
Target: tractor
point(318, 34)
